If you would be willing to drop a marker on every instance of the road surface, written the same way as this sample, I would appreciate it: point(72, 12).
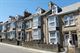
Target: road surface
point(7, 48)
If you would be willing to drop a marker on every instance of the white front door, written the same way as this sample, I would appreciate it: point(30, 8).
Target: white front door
point(66, 38)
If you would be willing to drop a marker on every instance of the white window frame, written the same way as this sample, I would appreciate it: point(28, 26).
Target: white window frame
point(73, 18)
point(56, 37)
point(54, 9)
point(36, 34)
point(29, 24)
point(53, 19)
point(69, 19)
point(36, 21)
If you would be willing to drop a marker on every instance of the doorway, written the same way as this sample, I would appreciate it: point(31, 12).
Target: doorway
point(66, 37)
point(74, 38)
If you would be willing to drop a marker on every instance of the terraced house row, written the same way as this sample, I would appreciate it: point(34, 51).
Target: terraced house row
point(53, 26)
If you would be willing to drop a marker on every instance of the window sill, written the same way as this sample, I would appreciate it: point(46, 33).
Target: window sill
point(28, 28)
point(69, 26)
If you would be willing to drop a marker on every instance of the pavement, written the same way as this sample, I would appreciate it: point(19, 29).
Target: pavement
point(8, 48)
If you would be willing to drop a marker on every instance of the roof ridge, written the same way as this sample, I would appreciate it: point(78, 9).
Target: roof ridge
point(74, 4)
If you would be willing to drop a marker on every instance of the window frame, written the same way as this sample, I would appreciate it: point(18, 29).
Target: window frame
point(51, 19)
point(37, 21)
point(68, 19)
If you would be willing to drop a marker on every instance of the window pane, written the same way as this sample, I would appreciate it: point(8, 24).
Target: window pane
point(66, 18)
point(35, 23)
point(51, 18)
point(52, 24)
point(35, 31)
point(35, 19)
point(65, 22)
point(52, 34)
point(71, 22)
point(71, 17)
point(27, 25)
point(52, 40)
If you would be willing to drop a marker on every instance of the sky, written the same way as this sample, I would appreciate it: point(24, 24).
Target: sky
point(17, 7)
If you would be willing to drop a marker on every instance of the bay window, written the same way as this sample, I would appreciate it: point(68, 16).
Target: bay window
point(28, 24)
point(54, 37)
point(36, 21)
point(53, 22)
point(52, 40)
point(36, 34)
point(52, 34)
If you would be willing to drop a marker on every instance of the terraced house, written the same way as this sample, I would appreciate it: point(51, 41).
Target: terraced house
point(21, 26)
point(11, 31)
point(70, 16)
point(52, 27)
point(37, 33)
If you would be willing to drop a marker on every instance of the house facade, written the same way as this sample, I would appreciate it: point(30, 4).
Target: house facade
point(70, 25)
point(28, 27)
point(11, 30)
point(20, 32)
point(37, 33)
point(54, 26)
point(51, 28)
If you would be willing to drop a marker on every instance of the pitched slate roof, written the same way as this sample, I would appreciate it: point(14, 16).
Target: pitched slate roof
point(70, 8)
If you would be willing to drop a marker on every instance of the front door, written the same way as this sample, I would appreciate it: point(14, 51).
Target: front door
point(74, 39)
point(30, 36)
point(66, 37)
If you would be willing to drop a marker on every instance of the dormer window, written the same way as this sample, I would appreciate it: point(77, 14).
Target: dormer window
point(40, 10)
point(50, 4)
point(54, 9)
point(36, 21)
